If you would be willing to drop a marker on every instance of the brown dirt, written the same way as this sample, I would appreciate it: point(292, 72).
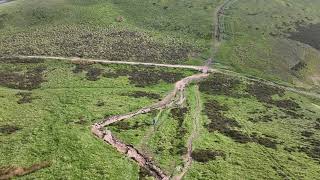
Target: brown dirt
point(9, 172)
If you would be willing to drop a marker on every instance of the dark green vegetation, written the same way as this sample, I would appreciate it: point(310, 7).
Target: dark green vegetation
point(278, 40)
point(47, 108)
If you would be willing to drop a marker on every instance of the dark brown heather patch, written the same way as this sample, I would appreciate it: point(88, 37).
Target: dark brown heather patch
point(141, 76)
point(219, 84)
point(205, 155)
point(16, 60)
point(287, 104)
point(29, 80)
point(306, 134)
point(139, 94)
point(9, 129)
point(264, 92)
point(263, 118)
point(97, 43)
point(122, 125)
point(79, 68)
point(299, 66)
point(93, 74)
point(179, 115)
point(307, 34)
point(229, 127)
point(25, 97)
point(147, 78)
point(312, 150)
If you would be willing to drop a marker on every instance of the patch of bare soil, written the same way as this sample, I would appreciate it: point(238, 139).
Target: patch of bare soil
point(307, 34)
point(9, 172)
point(205, 155)
point(29, 80)
point(9, 129)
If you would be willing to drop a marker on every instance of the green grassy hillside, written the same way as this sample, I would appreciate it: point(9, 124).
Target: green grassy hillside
point(242, 128)
point(259, 40)
point(47, 108)
point(159, 31)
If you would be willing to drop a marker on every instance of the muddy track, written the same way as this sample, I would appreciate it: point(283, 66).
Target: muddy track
point(100, 131)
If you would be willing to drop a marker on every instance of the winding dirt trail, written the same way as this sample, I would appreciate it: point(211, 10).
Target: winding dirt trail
point(100, 131)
